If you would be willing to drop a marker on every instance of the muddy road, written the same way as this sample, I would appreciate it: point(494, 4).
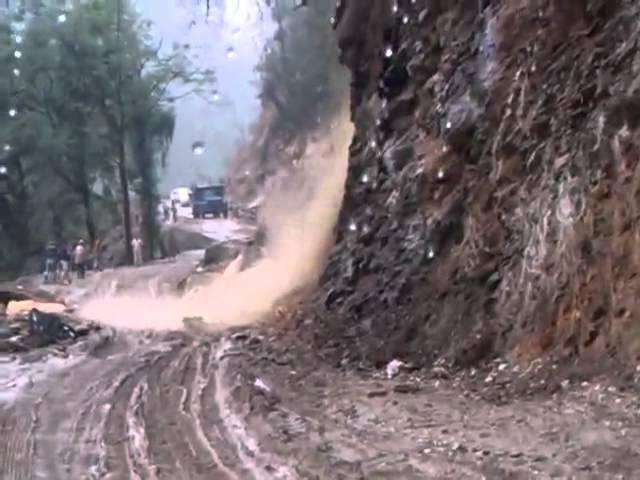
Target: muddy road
point(255, 404)
point(149, 406)
point(135, 406)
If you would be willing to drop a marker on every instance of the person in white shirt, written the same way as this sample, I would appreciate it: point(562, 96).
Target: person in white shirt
point(136, 243)
point(80, 258)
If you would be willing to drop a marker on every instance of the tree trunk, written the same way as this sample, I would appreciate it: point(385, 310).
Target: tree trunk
point(83, 184)
point(148, 203)
point(150, 229)
point(126, 203)
point(122, 164)
point(15, 213)
point(149, 224)
point(89, 222)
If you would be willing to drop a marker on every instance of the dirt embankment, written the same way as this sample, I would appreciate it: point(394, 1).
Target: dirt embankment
point(490, 205)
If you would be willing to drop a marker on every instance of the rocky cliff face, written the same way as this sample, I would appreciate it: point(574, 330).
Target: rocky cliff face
point(491, 205)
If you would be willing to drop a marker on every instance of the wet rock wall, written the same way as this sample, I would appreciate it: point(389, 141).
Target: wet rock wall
point(490, 206)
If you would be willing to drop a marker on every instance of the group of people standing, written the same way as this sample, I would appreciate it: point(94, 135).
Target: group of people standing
point(64, 258)
point(170, 213)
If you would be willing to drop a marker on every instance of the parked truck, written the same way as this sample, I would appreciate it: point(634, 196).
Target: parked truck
point(210, 200)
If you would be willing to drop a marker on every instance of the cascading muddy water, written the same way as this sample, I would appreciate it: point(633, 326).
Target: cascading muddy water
point(300, 220)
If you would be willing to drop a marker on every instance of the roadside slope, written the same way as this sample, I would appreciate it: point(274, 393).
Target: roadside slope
point(493, 177)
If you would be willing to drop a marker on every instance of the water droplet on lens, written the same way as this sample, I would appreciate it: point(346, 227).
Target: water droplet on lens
point(197, 148)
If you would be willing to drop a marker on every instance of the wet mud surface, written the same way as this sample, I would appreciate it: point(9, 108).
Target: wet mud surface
point(171, 406)
point(362, 425)
point(258, 404)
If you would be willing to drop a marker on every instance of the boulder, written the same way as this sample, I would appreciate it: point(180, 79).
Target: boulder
point(219, 252)
point(175, 239)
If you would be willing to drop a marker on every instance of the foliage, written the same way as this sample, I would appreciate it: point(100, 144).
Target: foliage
point(92, 97)
point(300, 71)
point(302, 84)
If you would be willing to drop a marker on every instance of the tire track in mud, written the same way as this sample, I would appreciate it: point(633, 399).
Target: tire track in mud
point(196, 410)
point(17, 445)
point(262, 466)
point(148, 411)
point(210, 418)
point(117, 431)
point(170, 448)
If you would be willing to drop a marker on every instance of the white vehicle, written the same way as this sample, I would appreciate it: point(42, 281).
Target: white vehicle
point(181, 195)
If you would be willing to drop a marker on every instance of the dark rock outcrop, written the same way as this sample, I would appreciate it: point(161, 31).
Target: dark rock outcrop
point(491, 201)
point(175, 239)
point(219, 252)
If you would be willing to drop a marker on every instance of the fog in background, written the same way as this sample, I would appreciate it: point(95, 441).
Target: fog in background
point(239, 25)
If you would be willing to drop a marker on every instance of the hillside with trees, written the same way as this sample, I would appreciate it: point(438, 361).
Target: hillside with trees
point(87, 117)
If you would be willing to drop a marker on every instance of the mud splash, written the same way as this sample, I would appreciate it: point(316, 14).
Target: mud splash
point(300, 219)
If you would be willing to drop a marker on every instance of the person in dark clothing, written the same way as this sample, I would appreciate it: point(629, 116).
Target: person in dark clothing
point(174, 211)
point(50, 262)
point(64, 264)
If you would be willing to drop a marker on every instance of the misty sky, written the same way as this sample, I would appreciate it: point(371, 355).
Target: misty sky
point(235, 24)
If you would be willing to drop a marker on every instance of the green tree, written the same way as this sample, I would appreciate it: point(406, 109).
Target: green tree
point(151, 133)
point(136, 80)
point(300, 72)
point(90, 100)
